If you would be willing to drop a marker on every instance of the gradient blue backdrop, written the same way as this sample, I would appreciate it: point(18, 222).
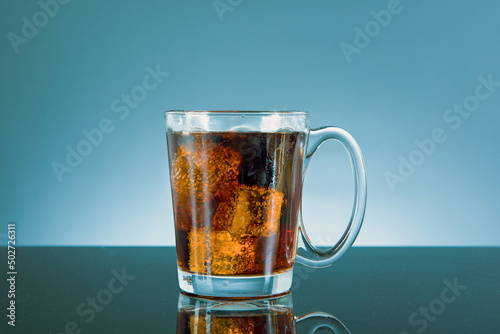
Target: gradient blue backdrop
point(265, 55)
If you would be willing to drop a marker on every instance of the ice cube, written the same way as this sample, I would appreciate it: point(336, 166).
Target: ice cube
point(219, 253)
point(253, 212)
point(187, 175)
point(201, 173)
point(205, 171)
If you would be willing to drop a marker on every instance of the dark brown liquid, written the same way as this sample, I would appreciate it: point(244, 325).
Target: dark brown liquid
point(236, 198)
point(265, 322)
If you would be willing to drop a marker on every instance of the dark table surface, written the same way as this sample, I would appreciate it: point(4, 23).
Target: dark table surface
point(370, 290)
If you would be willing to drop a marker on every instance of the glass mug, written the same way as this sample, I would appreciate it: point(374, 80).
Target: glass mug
point(252, 316)
point(236, 180)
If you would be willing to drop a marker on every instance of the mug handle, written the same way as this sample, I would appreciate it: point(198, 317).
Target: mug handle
point(313, 256)
point(312, 322)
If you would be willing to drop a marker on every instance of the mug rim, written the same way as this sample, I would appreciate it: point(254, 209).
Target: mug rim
point(237, 112)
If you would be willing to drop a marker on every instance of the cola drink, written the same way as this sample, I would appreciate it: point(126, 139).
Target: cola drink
point(236, 199)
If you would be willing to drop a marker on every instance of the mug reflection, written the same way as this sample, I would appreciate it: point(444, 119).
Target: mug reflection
point(258, 315)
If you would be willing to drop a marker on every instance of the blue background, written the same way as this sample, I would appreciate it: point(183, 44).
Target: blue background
point(264, 55)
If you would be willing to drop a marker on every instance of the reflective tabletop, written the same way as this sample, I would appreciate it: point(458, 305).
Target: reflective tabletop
point(370, 290)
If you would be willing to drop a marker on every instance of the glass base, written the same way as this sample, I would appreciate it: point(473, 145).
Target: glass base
point(235, 286)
